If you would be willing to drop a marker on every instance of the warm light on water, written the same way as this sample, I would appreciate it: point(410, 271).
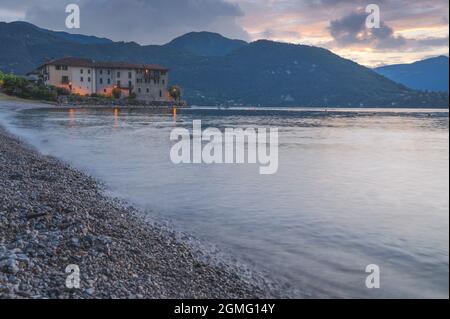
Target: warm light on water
point(352, 189)
point(116, 117)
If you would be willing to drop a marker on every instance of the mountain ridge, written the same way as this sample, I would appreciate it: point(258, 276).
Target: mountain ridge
point(428, 74)
point(79, 38)
point(205, 44)
point(263, 72)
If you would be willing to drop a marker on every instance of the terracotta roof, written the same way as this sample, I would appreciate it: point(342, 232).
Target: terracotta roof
point(90, 63)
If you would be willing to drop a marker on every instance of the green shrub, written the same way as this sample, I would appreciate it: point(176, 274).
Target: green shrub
point(117, 93)
point(61, 91)
point(21, 87)
point(175, 93)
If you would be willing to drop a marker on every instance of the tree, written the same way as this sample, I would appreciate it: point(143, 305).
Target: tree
point(175, 93)
point(18, 86)
point(116, 93)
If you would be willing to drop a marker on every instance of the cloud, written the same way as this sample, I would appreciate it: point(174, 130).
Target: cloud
point(434, 41)
point(351, 30)
point(410, 29)
point(143, 21)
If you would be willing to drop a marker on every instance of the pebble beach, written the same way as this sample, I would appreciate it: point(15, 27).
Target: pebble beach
point(52, 216)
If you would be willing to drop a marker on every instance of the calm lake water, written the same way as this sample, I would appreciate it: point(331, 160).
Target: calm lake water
point(354, 187)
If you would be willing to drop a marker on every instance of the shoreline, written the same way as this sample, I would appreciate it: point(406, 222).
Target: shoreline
point(115, 105)
point(52, 216)
point(53, 105)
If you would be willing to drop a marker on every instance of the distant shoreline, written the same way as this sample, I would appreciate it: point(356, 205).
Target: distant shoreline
point(47, 104)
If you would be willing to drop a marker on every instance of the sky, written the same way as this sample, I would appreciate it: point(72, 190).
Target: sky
point(409, 30)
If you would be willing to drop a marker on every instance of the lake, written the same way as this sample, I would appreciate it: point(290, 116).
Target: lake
point(354, 187)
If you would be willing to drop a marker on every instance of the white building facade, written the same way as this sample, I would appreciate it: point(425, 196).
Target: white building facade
point(86, 77)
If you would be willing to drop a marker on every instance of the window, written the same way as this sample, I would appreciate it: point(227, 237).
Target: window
point(118, 74)
point(101, 71)
point(89, 79)
point(81, 79)
point(65, 67)
point(58, 67)
point(118, 84)
point(160, 93)
point(64, 79)
point(109, 81)
point(81, 71)
point(139, 90)
point(89, 71)
point(101, 80)
point(129, 75)
point(129, 84)
point(163, 81)
point(109, 72)
point(148, 90)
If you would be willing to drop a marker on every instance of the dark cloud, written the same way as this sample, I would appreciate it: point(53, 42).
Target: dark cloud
point(143, 21)
point(421, 23)
point(352, 30)
point(434, 42)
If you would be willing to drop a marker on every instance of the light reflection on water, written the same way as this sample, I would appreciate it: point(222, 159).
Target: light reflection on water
point(353, 188)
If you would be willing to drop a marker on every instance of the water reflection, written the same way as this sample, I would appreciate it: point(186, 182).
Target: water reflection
point(174, 114)
point(72, 117)
point(116, 117)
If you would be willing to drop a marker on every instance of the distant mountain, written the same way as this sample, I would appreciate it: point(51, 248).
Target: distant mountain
point(24, 45)
point(82, 39)
point(260, 73)
point(430, 74)
point(205, 44)
point(78, 38)
point(271, 73)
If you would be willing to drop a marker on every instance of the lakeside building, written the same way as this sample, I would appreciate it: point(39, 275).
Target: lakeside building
point(148, 82)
